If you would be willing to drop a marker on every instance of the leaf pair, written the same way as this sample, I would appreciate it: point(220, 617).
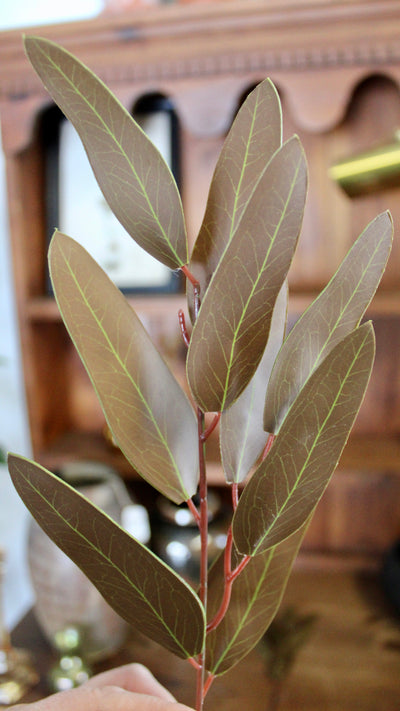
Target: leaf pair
point(244, 249)
point(141, 400)
point(255, 135)
point(143, 404)
point(231, 331)
point(333, 315)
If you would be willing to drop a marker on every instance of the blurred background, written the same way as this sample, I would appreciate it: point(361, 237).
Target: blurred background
point(14, 430)
point(184, 71)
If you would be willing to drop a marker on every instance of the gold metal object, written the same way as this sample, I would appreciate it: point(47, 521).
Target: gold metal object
point(17, 672)
point(371, 170)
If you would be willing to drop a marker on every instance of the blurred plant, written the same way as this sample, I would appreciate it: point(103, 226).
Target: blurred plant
point(285, 404)
point(280, 645)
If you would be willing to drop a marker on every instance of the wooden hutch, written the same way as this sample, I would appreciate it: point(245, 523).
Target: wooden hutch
point(336, 64)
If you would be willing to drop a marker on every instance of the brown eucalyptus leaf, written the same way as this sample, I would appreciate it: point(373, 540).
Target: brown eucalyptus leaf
point(134, 178)
point(255, 135)
point(231, 330)
point(255, 599)
point(242, 435)
point(288, 484)
point(148, 413)
point(138, 586)
point(336, 311)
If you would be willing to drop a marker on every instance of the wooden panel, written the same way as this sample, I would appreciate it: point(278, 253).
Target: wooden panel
point(358, 514)
point(332, 220)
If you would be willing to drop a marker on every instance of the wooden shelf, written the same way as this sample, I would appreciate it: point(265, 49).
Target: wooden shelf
point(361, 454)
point(339, 81)
point(44, 308)
point(75, 446)
point(373, 453)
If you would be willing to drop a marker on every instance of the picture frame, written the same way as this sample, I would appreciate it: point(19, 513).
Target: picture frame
point(76, 206)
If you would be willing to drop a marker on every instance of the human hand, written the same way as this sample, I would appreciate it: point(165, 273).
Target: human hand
point(128, 688)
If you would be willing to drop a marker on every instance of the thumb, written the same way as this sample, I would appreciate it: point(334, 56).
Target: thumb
point(110, 698)
point(106, 698)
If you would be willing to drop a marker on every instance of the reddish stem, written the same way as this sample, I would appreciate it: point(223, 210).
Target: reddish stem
point(182, 326)
point(235, 496)
point(268, 445)
point(228, 554)
point(203, 513)
point(188, 274)
point(194, 663)
point(230, 576)
point(194, 511)
point(203, 527)
point(207, 684)
point(196, 288)
point(205, 435)
point(228, 584)
point(234, 574)
point(200, 684)
point(223, 608)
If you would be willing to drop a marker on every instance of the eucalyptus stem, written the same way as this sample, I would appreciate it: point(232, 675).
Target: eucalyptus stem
point(202, 518)
point(203, 513)
point(211, 427)
point(203, 527)
point(229, 576)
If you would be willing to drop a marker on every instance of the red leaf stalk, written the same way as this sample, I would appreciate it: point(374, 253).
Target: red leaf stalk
point(208, 683)
point(194, 663)
point(194, 511)
point(205, 435)
point(268, 445)
point(235, 496)
point(229, 575)
point(196, 288)
point(182, 326)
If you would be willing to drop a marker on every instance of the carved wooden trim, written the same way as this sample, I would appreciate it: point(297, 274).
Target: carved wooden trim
point(164, 47)
point(174, 42)
point(263, 62)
